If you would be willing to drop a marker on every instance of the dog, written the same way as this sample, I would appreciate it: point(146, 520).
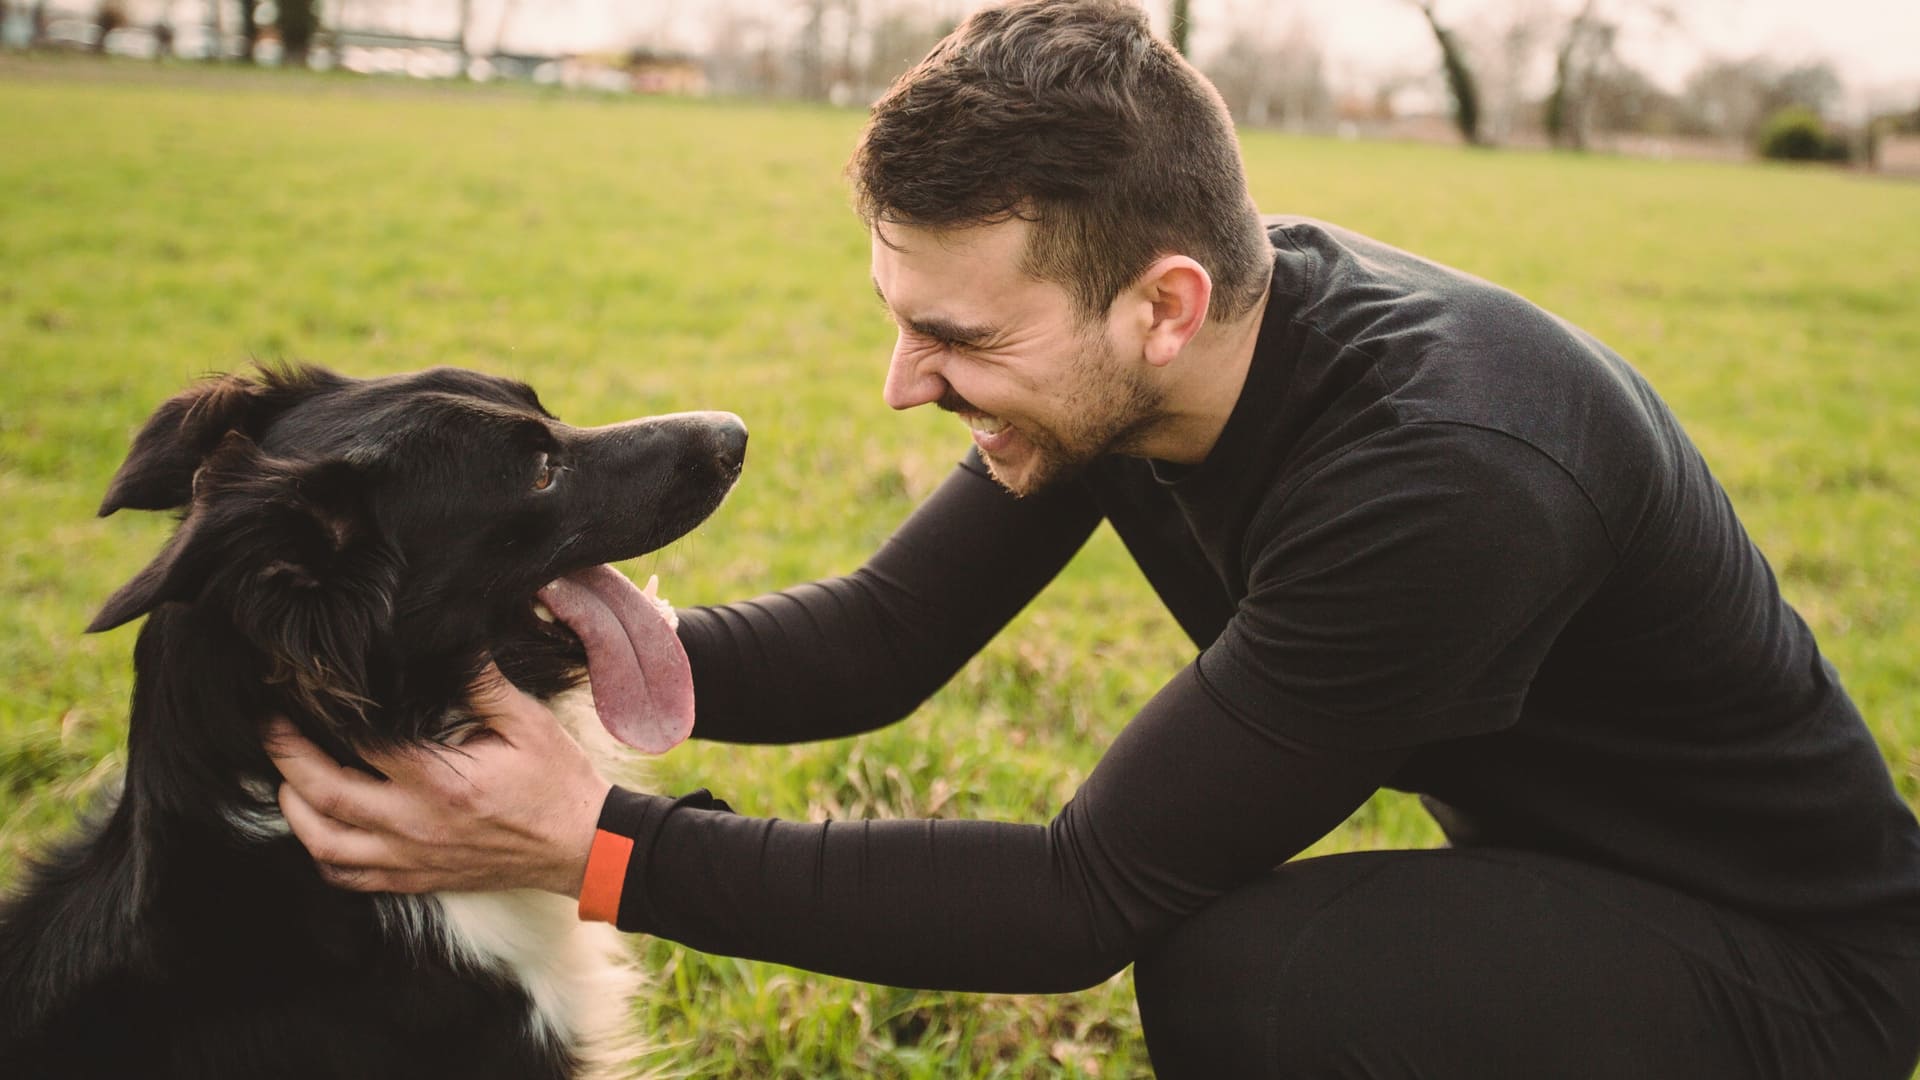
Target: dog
point(349, 554)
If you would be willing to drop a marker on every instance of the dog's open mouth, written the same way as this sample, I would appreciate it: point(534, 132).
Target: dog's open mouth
point(642, 685)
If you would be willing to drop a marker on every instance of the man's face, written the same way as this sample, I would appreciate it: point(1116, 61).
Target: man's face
point(1044, 392)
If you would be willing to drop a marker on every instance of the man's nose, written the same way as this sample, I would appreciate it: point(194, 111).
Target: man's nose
point(912, 379)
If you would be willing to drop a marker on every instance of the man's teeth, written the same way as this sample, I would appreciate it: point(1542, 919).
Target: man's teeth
point(986, 425)
point(542, 612)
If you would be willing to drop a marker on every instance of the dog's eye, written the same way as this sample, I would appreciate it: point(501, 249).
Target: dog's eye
point(546, 474)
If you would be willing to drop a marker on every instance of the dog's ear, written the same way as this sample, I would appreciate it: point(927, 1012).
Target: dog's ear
point(176, 440)
point(284, 524)
point(158, 472)
point(175, 574)
point(291, 553)
point(199, 546)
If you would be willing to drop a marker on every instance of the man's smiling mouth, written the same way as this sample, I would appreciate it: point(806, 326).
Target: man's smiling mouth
point(983, 424)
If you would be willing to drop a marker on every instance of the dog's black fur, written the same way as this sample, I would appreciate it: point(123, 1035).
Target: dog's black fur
point(349, 554)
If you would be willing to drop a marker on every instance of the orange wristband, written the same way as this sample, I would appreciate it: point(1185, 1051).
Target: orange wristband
point(606, 876)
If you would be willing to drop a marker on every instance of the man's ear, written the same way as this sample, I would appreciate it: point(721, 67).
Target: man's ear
point(1175, 292)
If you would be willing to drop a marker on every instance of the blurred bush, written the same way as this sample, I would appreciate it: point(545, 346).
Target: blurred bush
point(1796, 133)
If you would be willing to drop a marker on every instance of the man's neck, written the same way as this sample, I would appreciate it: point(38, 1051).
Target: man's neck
point(1202, 387)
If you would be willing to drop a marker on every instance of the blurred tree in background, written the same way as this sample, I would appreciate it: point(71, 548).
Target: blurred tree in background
point(1179, 25)
point(298, 22)
point(110, 16)
point(1272, 80)
point(1593, 88)
point(1461, 86)
point(249, 30)
point(1737, 97)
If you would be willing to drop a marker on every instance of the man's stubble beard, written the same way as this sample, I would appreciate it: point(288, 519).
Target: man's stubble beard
point(1110, 407)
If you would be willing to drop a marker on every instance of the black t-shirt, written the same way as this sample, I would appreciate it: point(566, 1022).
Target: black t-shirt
point(1446, 543)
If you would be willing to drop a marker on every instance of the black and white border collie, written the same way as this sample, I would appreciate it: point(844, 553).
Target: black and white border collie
point(349, 554)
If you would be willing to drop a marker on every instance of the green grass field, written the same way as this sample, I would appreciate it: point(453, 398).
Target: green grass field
point(629, 257)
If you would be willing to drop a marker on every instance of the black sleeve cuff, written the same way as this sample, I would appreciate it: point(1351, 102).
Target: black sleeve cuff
point(639, 817)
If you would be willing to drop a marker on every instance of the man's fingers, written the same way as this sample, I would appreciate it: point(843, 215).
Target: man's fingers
point(436, 767)
point(356, 879)
point(351, 794)
point(345, 877)
point(328, 787)
point(332, 844)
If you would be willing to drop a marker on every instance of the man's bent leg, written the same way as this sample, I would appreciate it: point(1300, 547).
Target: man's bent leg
point(1487, 964)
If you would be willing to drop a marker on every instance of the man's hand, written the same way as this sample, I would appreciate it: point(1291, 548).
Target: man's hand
point(513, 807)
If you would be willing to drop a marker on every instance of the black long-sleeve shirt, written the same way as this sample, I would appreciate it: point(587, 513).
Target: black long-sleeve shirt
point(1445, 543)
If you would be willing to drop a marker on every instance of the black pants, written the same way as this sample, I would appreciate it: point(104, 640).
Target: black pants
point(1491, 964)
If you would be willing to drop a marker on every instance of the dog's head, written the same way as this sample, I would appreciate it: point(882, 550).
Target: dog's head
point(375, 541)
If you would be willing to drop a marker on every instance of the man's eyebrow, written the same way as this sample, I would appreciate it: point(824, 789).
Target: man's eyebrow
point(940, 329)
point(950, 331)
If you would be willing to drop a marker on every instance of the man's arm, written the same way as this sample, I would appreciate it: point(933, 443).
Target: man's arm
point(850, 654)
point(1189, 802)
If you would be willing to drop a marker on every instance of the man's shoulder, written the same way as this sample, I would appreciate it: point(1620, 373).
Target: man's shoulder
point(1380, 339)
point(1332, 263)
point(1435, 343)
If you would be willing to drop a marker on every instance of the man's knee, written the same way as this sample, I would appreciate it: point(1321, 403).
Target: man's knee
point(1236, 991)
point(1196, 1012)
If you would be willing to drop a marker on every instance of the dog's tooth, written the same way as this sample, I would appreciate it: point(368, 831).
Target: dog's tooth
point(652, 590)
point(542, 612)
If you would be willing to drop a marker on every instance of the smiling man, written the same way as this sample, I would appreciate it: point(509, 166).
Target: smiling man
point(1423, 536)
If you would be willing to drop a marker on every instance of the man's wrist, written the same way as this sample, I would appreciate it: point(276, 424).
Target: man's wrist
point(605, 877)
point(629, 825)
point(604, 871)
point(579, 843)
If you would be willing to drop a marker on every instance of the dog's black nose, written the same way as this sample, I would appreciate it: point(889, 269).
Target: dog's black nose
point(732, 434)
point(721, 434)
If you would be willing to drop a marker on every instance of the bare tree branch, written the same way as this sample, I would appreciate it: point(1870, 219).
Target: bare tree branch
point(1460, 81)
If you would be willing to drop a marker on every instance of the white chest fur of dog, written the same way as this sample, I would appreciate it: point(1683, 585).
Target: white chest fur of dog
point(576, 975)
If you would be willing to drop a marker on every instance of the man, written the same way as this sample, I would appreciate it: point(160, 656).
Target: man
point(1425, 536)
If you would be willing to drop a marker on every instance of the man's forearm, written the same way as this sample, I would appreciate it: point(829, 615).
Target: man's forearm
point(850, 654)
point(1192, 800)
point(956, 905)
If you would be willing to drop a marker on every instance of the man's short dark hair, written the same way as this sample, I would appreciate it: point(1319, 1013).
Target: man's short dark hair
point(1072, 114)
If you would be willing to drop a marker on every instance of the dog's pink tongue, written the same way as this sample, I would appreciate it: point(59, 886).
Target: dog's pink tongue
point(642, 686)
